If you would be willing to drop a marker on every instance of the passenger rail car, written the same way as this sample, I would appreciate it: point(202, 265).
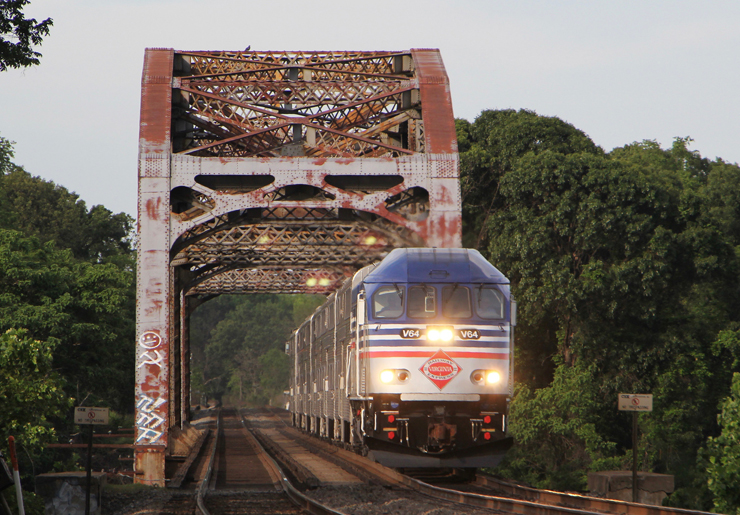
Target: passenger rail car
point(410, 361)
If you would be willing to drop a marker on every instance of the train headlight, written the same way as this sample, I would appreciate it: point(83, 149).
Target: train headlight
point(437, 333)
point(485, 377)
point(493, 377)
point(396, 376)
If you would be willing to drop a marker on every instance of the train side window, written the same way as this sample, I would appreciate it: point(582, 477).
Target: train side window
point(388, 302)
point(490, 303)
point(421, 302)
point(456, 302)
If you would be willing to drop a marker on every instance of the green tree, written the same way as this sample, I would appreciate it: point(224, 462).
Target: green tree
point(555, 432)
point(236, 340)
point(19, 35)
point(491, 146)
point(722, 455)
point(625, 261)
point(52, 213)
point(31, 392)
point(274, 372)
point(81, 307)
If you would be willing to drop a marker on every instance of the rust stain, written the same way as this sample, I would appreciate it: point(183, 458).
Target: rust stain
point(153, 370)
point(319, 162)
point(152, 208)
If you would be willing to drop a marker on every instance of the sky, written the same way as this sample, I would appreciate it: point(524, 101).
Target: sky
point(621, 71)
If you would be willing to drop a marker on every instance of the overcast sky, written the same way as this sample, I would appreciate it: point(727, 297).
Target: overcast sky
point(621, 71)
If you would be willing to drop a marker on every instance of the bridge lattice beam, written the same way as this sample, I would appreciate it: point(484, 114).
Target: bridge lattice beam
point(275, 172)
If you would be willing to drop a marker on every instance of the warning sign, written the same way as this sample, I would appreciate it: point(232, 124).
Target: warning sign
point(94, 416)
point(635, 402)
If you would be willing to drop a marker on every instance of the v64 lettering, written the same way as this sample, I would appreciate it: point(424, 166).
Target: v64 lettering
point(469, 334)
point(410, 333)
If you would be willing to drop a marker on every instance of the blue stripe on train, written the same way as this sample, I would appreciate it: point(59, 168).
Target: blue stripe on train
point(424, 343)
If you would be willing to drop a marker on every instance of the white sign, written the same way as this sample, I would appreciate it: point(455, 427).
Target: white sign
point(635, 402)
point(94, 416)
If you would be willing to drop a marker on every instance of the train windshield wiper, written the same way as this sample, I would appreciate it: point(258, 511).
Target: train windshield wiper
point(447, 301)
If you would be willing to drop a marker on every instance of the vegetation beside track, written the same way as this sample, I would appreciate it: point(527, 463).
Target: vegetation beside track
point(625, 264)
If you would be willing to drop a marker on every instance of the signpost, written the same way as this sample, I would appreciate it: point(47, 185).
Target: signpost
point(634, 403)
point(90, 417)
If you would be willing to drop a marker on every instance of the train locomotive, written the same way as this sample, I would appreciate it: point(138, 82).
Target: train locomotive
point(410, 361)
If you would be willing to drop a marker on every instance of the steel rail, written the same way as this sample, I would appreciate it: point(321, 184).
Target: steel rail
point(581, 501)
point(536, 502)
point(199, 498)
point(306, 503)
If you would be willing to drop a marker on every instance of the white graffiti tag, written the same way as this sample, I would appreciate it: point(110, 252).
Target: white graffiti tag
point(150, 340)
point(151, 358)
point(148, 420)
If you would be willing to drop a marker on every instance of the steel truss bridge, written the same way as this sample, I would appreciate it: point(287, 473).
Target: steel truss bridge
point(275, 172)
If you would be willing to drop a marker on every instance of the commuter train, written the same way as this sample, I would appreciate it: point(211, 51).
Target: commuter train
point(410, 361)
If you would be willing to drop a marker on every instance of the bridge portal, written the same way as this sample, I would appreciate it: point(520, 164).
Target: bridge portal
point(275, 172)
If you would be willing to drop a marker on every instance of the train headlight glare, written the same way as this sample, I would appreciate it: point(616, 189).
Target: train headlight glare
point(386, 376)
point(433, 335)
point(493, 377)
point(445, 335)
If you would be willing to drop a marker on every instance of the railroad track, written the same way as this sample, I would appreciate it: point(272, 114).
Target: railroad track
point(576, 501)
point(509, 498)
point(234, 475)
point(242, 479)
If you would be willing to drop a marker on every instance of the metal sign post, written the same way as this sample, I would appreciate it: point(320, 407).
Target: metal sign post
point(634, 403)
point(16, 476)
point(90, 417)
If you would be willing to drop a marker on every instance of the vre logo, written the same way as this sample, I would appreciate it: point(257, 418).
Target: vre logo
point(410, 333)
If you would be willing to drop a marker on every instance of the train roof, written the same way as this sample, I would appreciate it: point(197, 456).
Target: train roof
point(435, 266)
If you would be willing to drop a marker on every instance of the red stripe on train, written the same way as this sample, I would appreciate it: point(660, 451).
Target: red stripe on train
point(429, 354)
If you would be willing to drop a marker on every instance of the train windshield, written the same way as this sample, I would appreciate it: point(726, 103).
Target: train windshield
point(490, 303)
point(422, 302)
point(388, 302)
point(456, 302)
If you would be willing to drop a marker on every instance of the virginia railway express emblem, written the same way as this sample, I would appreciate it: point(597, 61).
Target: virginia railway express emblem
point(440, 369)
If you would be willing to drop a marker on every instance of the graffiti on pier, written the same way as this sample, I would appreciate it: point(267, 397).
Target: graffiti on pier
point(148, 420)
point(149, 341)
point(151, 358)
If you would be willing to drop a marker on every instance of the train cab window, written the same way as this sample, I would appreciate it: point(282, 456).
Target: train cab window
point(388, 302)
point(456, 302)
point(490, 303)
point(422, 302)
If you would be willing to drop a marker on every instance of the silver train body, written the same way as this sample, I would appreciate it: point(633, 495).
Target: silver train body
point(410, 361)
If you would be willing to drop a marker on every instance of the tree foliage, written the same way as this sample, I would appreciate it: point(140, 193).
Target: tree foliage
point(31, 392)
point(555, 430)
point(52, 213)
point(76, 305)
point(19, 35)
point(240, 341)
point(723, 455)
point(491, 146)
point(66, 276)
point(624, 264)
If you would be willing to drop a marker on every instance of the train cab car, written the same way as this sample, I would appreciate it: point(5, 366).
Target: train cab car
point(422, 355)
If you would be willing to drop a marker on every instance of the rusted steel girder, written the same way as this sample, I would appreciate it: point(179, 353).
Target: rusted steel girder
point(276, 172)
